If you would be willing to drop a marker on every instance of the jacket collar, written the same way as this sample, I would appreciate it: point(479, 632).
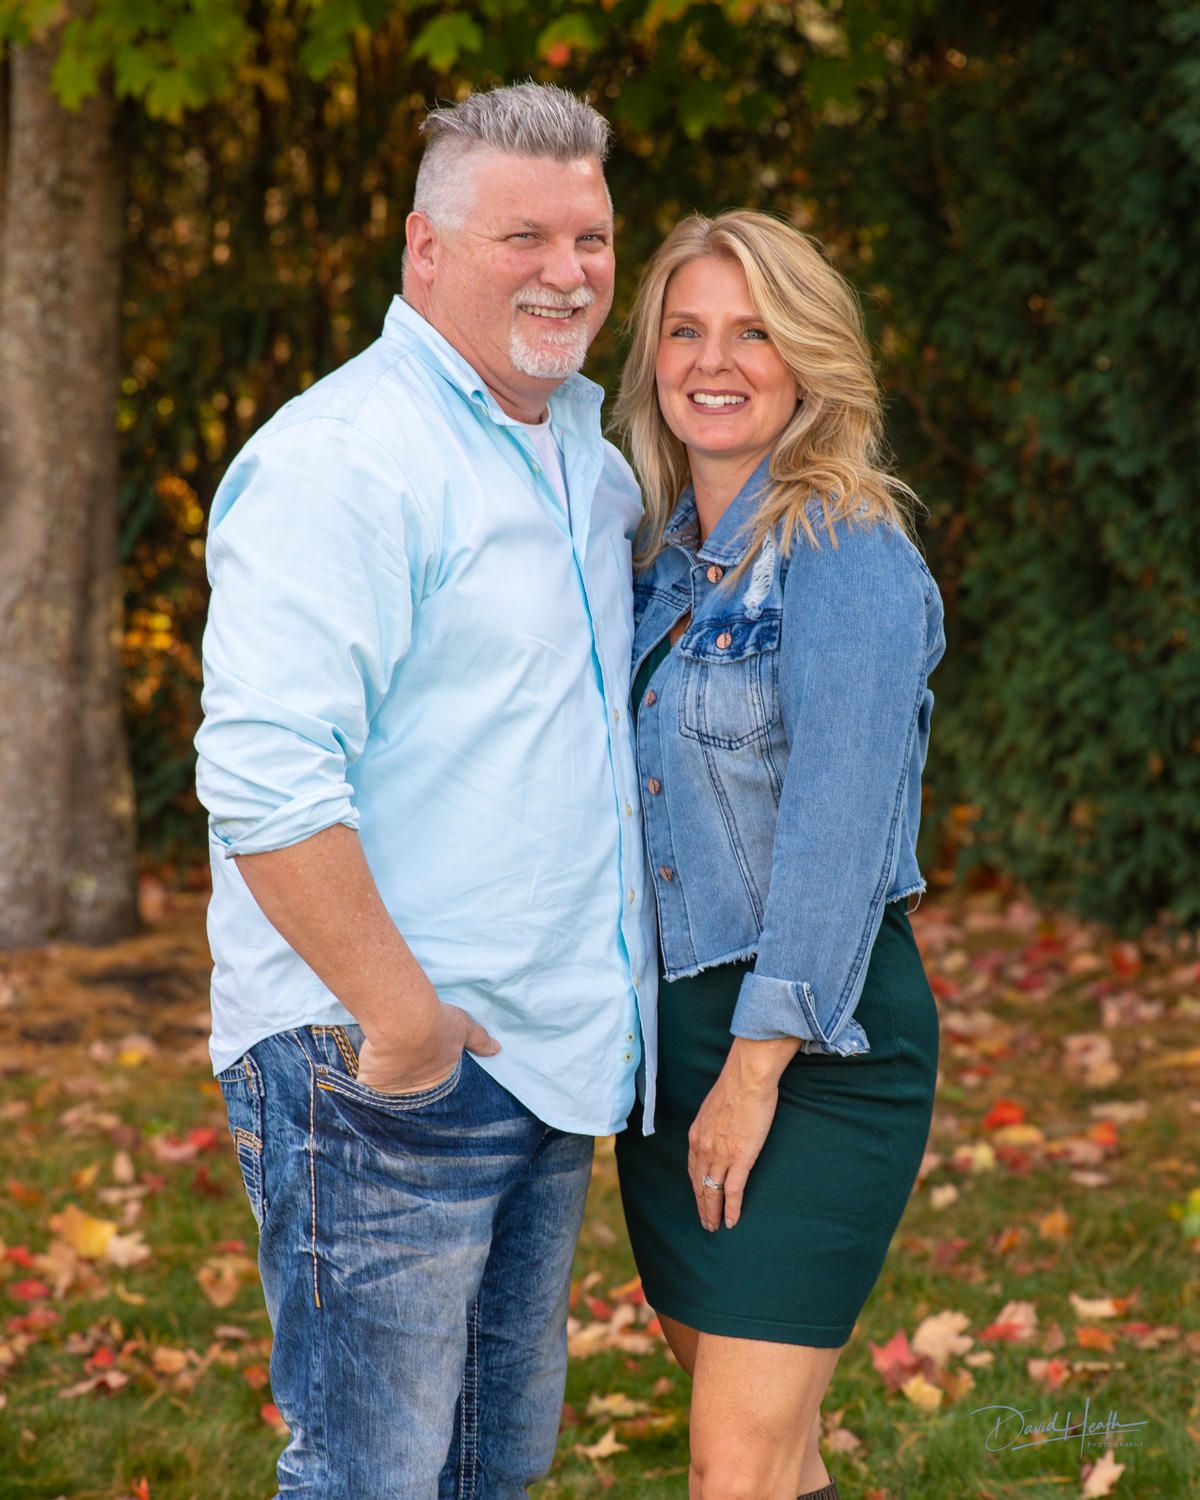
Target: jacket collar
point(729, 540)
point(406, 326)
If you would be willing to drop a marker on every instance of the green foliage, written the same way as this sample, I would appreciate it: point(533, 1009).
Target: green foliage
point(1014, 189)
point(1022, 195)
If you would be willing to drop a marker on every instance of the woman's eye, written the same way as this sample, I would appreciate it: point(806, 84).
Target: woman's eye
point(683, 332)
point(757, 333)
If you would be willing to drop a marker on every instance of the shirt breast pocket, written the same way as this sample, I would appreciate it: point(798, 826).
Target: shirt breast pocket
point(729, 692)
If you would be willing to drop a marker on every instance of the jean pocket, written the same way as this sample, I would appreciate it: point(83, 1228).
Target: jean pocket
point(337, 1073)
point(729, 688)
point(242, 1087)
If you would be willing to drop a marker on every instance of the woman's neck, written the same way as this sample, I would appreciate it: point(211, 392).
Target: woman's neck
point(717, 481)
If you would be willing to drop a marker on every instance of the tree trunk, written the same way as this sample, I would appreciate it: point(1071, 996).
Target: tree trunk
point(66, 802)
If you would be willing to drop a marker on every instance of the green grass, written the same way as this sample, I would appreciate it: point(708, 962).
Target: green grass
point(198, 1432)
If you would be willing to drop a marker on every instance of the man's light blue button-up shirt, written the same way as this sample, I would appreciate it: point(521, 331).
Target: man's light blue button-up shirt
point(407, 635)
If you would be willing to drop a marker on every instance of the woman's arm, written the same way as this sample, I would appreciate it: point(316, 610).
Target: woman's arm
point(855, 655)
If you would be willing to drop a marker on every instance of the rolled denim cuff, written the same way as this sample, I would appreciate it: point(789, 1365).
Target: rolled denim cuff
point(771, 1010)
point(290, 824)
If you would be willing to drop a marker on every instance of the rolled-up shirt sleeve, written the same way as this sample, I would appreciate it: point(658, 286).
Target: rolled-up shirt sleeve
point(310, 562)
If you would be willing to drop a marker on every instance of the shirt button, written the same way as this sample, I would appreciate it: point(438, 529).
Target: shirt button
point(651, 697)
point(654, 786)
point(627, 1057)
point(616, 715)
point(629, 1036)
point(666, 872)
point(724, 641)
point(629, 809)
point(715, 574)
point(632, 896)
point(537, 468)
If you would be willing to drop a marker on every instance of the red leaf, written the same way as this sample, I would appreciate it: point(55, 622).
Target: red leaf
point(28, 1291)
point(103, 1359)
point(1004, 1112)
point(1105, 1134)
point(895, 1360)
point(20, 1256)
point(203, 1137)
point(34, 1321)
point(272, 1416)
point(599, 1309)
point(140, 1490)
point(1009, 1333)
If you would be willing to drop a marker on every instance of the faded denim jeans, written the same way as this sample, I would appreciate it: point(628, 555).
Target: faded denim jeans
point(415, 1252)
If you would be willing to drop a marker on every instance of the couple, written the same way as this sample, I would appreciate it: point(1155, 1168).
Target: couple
point(446, 862)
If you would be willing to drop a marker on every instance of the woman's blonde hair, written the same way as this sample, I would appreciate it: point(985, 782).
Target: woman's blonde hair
point(831, 451)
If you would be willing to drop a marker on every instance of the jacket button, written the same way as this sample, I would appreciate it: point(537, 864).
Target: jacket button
point(666, 872)
point(715, 573)
point(724, 641)
point(654, 786)
point(651, 697)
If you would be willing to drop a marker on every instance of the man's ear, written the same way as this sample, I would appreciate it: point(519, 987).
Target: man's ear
point(421, 239)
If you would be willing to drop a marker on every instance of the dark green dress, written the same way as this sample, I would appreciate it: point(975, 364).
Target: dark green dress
point(827, 1191)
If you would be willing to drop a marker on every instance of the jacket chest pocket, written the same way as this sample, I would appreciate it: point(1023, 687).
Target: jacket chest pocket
point(729, 693)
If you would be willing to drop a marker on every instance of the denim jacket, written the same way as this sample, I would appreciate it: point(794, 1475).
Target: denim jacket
point(780, 752)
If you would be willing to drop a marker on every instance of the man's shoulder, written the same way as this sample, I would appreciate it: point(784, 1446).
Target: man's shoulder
point(381, 396)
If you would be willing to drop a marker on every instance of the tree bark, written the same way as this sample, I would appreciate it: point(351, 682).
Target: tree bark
point(66, 802)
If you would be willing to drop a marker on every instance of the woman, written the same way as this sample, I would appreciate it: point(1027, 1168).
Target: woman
point(785, 629)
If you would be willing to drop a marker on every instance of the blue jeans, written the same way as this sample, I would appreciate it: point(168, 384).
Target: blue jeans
point(415, 1253)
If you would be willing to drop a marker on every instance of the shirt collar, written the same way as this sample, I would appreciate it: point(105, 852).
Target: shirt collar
point(730, 538)
point(576, 397)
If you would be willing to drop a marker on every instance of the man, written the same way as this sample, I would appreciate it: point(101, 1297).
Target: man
point(433, 949)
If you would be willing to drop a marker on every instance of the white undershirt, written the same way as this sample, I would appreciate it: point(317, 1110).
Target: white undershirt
point(545, 443)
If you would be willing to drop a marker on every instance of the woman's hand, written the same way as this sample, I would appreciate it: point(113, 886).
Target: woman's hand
point(728, 1133)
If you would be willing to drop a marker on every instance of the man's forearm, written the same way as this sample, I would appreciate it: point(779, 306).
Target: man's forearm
point(321, 897)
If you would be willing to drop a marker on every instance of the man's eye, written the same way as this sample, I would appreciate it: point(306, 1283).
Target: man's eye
point(523, 234)
point(596, 239)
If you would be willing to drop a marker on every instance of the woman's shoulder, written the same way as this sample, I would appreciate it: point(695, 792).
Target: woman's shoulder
point(860, 545)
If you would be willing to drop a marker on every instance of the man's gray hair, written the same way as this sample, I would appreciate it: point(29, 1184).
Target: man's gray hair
point(523, 119)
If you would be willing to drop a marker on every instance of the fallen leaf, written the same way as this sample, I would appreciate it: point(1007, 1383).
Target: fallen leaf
point(168, 1361)
point(1004, 1112)
point(895, 1360)
point(1099, 1307)
point(1088, 1055)
point(973, 1158)
point(273, 1417)
point(222, 1277)
point(1056, 1225)
point(924, 1395)
point(943, 1195)
point(1098, 1339)
point(1120, 1112)
point(29, 1290)
point(106, 1380)
point(86, 1235)
point(617, 1404)
point(1100, 1477)
point(942, 1336)
point(1048, 1373)
point(1016, 1324)
point(605, 1447)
